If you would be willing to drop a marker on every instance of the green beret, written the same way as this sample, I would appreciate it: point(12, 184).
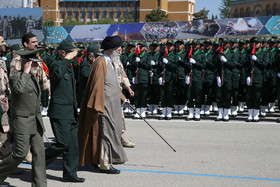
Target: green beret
point(170, 42)
point(207, 41)
point(67, 45)
point(233, 40)
point(93, 48)
point(196, 41)
point(216, 43)
point(242, 41)
point(226, 40)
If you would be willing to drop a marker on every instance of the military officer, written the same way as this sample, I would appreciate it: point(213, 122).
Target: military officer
point(142, 66)
point(197, 62)
point(254, 73)
point(167, 79)
point(27, 124)
point(63, 112)
point(209, 76)
point(154, 76)
point(180, 84)
point(224, 80)
point(235, 76)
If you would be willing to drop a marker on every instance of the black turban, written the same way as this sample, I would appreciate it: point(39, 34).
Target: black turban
point(111, 42)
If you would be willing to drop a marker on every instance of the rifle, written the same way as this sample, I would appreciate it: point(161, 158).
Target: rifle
point(164, 68)
point(252, 65)
point(137, 52)
point(222, 64)
point(190, 74)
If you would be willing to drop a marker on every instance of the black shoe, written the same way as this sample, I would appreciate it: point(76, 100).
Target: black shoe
point(278, 120)
point(74, 179)
point(225, 120)
point(196, 119)
point(189, 119)
point(255, 120)
point(167, 118)
point(218, 119)
point(112, 170)
point(161, 118)
point(249, 120)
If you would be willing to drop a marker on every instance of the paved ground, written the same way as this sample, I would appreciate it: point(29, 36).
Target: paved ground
point(209, 153)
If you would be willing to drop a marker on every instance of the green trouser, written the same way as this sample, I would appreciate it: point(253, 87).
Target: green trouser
point(45, 98)
point(207, 90)
point(253, 96)
point(153, 94)
point(269, 96)
point(141, 94)
point(167, 94)
point(22, 142)
point(278, 91)
point(223, 95)
point(235, 88)
point(66, 134)
point(180, 95)
point(195, 94)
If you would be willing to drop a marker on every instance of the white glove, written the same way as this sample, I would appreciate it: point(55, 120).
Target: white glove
point(254, 58)
point(223, 59)
point(127, 64)
point(164, 60)
point(153, 63)
point(248, 81)
point(187, 78)
point(192, 61)
point(160, 81)
point(278, 74)
point(4, 58)
point(151, 73)
point(219, 82)
point(180, 59)
point(137, 59)
point(134, 80)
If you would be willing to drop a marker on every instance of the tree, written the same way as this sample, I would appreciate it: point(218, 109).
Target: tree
point(201, 15)
point(225, 9)
point(156, 15)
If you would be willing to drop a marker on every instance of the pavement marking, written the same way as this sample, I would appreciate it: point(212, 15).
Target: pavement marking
point(178, 173)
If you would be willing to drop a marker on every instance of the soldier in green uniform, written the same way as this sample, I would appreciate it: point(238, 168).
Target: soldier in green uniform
point(197, 63)
point(268, 98)
point(127, 58)
point(224, 80)
point(180, 95)
point(276, 66)
point(154, 76)
point(254, 73)
point(63, 112)
point(235, 77)
point(167, 80)
point(142, 66)
point(243, 58)
point(209, 76)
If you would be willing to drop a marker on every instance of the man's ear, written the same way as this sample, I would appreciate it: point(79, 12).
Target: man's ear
point(25, 44)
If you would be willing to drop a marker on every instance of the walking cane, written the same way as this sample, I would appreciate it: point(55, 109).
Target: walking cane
point(152, 127)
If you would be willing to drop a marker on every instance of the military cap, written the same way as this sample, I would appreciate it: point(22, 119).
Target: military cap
point(30, 54)
point(196, 41)
point(143, 44)
point(226, 40)
point(216, 43)
point(275, 37)
point(67, 45)
point(233, 40)
point(130, 43)
point(155, 43)
point(208, 41)
point(180, 42)
point(41, 45)
point(94, 49)
point(272, 40)
point(242, 41)
point(170, 42)
point(256, 40)
point(264, 40)
point(81, 46)
point(15, 47)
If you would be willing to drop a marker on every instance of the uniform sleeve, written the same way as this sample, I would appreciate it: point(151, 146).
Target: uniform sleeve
point(18, 84)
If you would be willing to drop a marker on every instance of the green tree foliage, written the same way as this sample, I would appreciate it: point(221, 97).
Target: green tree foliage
point(225, 9)
point(201, 15)
point(157, 15)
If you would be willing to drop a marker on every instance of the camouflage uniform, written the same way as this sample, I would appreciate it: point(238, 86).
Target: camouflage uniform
point(41, 76)
point(5, 146)
point(124, 83)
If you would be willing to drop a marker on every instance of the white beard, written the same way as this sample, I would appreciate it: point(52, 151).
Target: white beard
point(115, 57)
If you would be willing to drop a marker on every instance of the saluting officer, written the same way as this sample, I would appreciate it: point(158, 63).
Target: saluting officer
point(197, 63)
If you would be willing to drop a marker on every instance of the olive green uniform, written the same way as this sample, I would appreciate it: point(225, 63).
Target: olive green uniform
point(154, 86)
point(180, 95)
point(236, 77)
